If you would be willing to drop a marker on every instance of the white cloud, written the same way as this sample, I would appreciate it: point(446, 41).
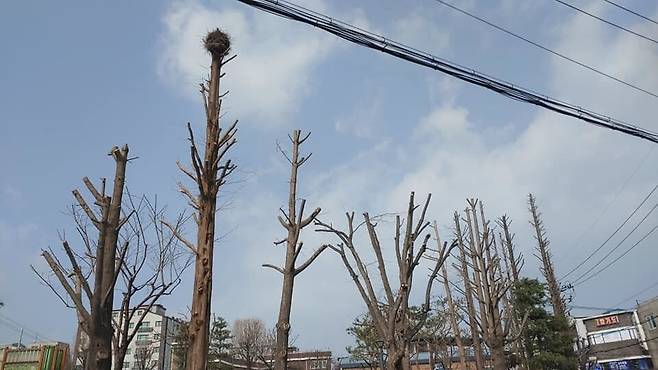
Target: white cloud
point(572, 167)
point(416, 29)
point(272, 72)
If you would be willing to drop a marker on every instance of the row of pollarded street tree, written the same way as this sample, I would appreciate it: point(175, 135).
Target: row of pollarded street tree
point(488, 266)
point(491, 316)
point(130, 251)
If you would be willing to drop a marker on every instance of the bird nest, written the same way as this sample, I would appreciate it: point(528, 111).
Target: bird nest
point(218, 43)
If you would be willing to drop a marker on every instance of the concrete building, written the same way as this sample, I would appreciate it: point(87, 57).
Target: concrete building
point(647, 312)
point(151, 348)
point(614, 341)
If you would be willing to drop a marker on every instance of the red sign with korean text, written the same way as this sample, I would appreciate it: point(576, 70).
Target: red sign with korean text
point(608, 320)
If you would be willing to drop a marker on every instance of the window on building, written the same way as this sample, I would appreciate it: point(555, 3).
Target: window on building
point(146, 324)
point(156, 349)
point(158, 324)
point(323, 364)
point(613, 336)
point(139, 312)
point(126, 365)
point(131, 325)
point(129, 351)
point(315, 364)
point(156, 336)
point(652, 321)
point(115, 315)
point(142, 337)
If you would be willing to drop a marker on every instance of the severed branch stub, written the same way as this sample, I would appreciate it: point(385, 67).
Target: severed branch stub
point(293, 221)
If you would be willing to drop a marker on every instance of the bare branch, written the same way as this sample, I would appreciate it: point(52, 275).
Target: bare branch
point(277, 268)
point(310, 260)
point(178, 236)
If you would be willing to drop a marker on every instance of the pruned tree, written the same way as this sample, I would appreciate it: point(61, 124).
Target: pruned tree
point(490, 285)
point(252, 342)
point(96, 267)
point(209, 174)
point(470, 309)
point(390, 312)
point(293, 222)
point(513, 263)
point(452, 314)
point(544, 255)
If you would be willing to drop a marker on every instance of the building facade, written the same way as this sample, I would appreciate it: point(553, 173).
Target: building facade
point(151, 348)
point(614, 341)
point(310, 360)
point(647, 312)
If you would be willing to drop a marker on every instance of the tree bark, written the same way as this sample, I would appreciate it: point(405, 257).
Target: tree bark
point(498, 357)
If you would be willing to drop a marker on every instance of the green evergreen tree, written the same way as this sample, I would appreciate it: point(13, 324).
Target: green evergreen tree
point(545, 337)
point(367, 347)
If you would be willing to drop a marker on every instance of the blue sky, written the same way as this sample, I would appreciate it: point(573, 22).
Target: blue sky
point(78, 79)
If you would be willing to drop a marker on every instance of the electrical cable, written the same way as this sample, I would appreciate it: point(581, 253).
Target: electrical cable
point(611, 235)
point(18, 326)
point(608, 22)
point(542, 47)
point(376, 42)
point(577, 281)
point(631, 11)
point(598, 218)
point(618, 258)
point(636, 294)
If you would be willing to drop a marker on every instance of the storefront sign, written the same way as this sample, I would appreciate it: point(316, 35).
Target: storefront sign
point(608, 320)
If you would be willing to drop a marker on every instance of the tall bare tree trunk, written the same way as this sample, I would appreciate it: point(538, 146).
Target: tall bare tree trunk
point(452, 311)
point(293, 221)
point(554, 290)
point(209, 175)
point(513, 265)
point(468, 296)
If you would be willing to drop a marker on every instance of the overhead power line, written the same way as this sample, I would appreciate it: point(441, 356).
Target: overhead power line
point(598, 218)
point(376, 42)
point(611, 235)
point(579, 280)
point(618, 258)
point(631, 11)
point(551, 51)
point(608, 22)
point(637, 294)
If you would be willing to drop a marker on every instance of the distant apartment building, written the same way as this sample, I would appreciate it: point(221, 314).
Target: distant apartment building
point(614, 341)
point(151, 348)
point(647, 312)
